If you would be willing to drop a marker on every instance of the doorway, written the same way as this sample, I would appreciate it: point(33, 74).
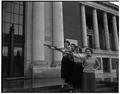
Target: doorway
point(106, 65)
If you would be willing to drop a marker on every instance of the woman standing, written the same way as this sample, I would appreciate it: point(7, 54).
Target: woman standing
point(78, 69)
point(70, 65)
point(90, 64)
point(65, 62)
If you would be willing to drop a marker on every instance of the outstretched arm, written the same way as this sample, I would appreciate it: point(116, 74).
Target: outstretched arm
point(50, 47)
point(61, 50)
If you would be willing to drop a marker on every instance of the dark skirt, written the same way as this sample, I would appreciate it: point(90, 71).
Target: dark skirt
point(64, 65)
point(67, 69)
point(70, 72)
point(77, 75)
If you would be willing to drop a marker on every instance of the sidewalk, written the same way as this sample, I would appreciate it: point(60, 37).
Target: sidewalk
point(30, 83)
point(51, 85)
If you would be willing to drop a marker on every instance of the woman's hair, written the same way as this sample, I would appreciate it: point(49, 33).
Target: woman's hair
point(74, 45)
point(80, 49)
point(67, 42)
point(90, 49)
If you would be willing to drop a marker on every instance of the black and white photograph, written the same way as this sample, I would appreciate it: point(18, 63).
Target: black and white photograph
point(60, 46)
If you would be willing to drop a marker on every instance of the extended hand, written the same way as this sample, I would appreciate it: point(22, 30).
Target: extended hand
point(47, 45)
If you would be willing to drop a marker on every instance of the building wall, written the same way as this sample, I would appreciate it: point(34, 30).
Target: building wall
point(72, 23)
point(72, 30)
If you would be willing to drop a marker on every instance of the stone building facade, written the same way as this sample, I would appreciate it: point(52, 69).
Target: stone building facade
point(26, 26)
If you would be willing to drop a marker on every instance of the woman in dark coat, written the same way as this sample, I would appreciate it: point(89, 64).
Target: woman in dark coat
point(70, 65)
point(65, 62)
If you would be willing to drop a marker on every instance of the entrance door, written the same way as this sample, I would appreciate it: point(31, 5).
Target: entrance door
point(12, 39)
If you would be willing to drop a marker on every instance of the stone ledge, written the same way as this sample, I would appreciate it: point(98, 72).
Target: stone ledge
point(46, 72)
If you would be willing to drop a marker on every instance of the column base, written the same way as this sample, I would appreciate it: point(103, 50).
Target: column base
point(47, 72)
point(56, 63)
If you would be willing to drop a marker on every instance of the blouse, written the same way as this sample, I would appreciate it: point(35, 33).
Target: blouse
point(77, 57)
point(66, 50)
point(90, 64)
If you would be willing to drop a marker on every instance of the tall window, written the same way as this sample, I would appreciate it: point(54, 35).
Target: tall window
point(114, 62)
point(110, 28)
point(90, 40)
point(117, 19)
point(12, 43)
point(101, 30)
point(106, 65)
point(89, 22)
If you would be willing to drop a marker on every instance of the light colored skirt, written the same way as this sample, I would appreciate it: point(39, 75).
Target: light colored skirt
point(88, 82)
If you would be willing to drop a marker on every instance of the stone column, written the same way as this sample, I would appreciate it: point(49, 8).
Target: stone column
point(105, 22)
point(110, 65)
point(38, 33)
point(58, 34)
point(115, 32)
point(28, 68)
point(84, 29)
point(48, 33)
point(95, 28)
point(28, 40)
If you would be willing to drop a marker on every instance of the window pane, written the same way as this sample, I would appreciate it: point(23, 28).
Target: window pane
point(7, 17)
point(16, 9)
point(15, 18)
point(17, 2)
point(17, 51)
point(21, 3)
point(12, 7)
point(106, 64)
point(3, 16)
point(7, 6)
point(21, 20)
point(16, 29)
point(12, 21)
point(5, 51)
point(7, 28)
point(20, 30)
point(21, 9)
point(114, 61)
point(3, 27)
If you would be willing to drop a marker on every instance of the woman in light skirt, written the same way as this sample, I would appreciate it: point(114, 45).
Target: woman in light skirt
point(90, 64)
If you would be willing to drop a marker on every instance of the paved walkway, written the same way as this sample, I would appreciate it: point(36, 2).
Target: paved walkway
point(30, 83)
point(46, 85)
